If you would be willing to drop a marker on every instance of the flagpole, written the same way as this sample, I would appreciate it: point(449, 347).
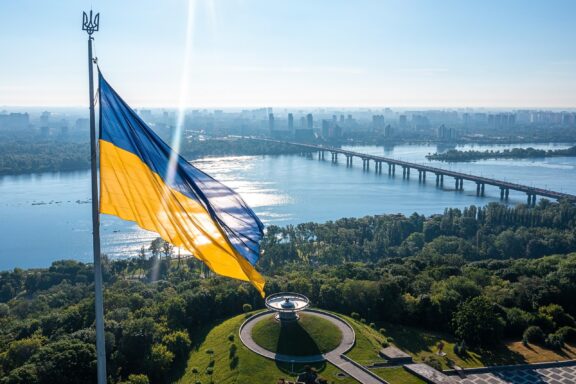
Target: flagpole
point(91, 25)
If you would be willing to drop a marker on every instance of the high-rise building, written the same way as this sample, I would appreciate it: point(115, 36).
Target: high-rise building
point(309, 121)
point(403, 121)
point(377, 123)
point(290, 122)
point(271, 122)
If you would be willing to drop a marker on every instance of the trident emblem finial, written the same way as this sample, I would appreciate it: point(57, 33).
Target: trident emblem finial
point(89, 25)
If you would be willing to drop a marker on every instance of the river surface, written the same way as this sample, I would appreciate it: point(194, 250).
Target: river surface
point(46, 217)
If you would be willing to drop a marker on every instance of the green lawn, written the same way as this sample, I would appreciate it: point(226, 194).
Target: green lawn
point(311, 335)
point(248, 368)
point(368, 343)
point(397, 375)
point(421, 344)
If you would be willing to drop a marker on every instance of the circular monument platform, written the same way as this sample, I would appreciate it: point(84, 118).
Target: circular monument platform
point(287, 305)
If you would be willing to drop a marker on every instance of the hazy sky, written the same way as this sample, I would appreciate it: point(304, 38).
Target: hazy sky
point(494, 53)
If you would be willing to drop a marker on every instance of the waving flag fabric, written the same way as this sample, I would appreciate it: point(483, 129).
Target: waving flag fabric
point(185, 206)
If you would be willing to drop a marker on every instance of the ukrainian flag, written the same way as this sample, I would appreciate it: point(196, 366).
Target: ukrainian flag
point(185, 206)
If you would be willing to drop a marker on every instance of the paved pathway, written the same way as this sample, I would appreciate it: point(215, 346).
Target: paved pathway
point(553, 375)
point(335, 356)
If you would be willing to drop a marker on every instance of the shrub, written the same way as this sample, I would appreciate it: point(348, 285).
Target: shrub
point(363, 320)
point(517, 321)
point(231, 337)
point(355, 315)
point(385, 343)
point(4, 310)
point(234, 362)
point(373, 325)
point(246, 308)
point(209, 370)
point(233, 349)
point(554, 341)
point(567, 333)
point(137, 379)
point(534, 335)
point(433, 361)
point(382, 331)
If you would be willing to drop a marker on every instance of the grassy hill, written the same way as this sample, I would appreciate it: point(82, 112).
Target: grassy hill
point(244, 366)
point(311, 335)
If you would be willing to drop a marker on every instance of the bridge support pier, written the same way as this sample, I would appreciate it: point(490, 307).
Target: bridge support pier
point(531, 199)
point(389, 169)
point(506, 193)
point(480, 189)
point(365, 164)
point(334, 157)
point(349, 161)
point(421, 176)
point(441, 180)
point(393, 169)
point(459, 185)
point(501, 193)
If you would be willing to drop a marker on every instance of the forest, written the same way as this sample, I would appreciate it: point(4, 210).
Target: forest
point(21, 155)
point(454, 155)
point(482, 274)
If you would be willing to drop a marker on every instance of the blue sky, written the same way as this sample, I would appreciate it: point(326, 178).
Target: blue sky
point(247, 53)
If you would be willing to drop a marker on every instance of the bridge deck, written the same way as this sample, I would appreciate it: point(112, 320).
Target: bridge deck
point(439, 171)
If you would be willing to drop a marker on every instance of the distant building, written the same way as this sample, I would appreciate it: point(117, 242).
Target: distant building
point(445, 133)
point(388, 131)
point(501, 120)
point(271, 123)
point(377, 123)
point(309, 121)
point(146, 115)
point(290, 122)
point(82, 125)
point(14, 121)
point(403, 121)
point(304, 135)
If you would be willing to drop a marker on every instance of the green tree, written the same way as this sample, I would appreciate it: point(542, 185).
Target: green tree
point(477, 322)
point(178, 343)
point(20, 351)
point(66, 362)
point(159, 362)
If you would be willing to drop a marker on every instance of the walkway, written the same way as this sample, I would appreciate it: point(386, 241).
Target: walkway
point(563, 372)
point(550, 375)
point(335, 356)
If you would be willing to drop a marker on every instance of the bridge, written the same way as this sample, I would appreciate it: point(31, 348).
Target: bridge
point(423, 170)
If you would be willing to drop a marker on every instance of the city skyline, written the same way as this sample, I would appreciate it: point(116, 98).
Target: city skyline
point(254, 53)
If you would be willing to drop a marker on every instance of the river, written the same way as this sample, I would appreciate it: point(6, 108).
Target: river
point(46, 217)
